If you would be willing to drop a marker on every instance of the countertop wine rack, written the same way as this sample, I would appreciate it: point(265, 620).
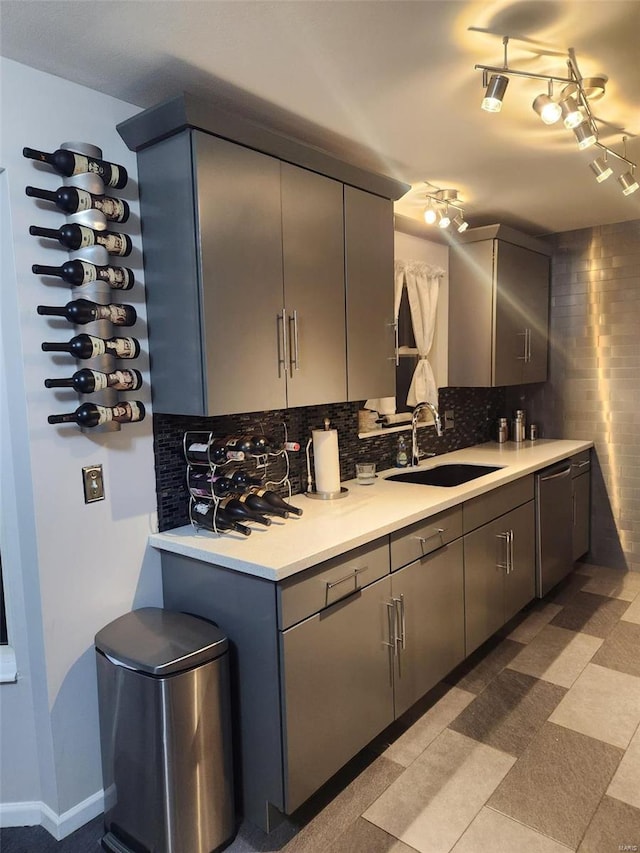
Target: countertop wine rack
point(97, 291)
point(202, 500)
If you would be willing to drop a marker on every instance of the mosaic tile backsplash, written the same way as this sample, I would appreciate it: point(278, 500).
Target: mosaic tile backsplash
point(476, 411)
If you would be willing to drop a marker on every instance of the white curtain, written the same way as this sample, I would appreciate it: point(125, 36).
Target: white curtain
point(422, 282)
point(387, 405)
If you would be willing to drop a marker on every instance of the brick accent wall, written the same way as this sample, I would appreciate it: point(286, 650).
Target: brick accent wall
point(593, 391)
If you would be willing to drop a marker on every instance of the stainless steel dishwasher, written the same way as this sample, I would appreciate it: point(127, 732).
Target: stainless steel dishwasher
point(554, 525)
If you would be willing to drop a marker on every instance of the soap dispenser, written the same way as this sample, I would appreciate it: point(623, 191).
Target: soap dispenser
point(402, 458)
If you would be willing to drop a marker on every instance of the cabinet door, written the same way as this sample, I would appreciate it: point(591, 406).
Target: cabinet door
point(581, 489)
point(485, 564)
point(510, 324)
point(337, 688)
point(519, 583)
point(240, 248)
point(429, 605)
point(521, 315)
point(313, 250)
point(369, 281)
point(536, 301)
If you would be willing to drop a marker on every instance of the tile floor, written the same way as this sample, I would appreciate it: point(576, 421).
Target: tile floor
point(532, 744)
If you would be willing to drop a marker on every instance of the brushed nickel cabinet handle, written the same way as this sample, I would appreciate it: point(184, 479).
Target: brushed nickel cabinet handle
point(505, 537)
point(351, 576)
point(424, 539)
point(391, 626)
point(282, 361)
point(295, 355)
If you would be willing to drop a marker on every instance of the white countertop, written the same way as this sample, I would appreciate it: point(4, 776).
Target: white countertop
point(329, 528)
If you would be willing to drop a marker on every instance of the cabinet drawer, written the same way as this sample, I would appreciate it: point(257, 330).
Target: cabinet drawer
point(423, 537)
point(313, 590)
point(580, 463)
point(486, 507)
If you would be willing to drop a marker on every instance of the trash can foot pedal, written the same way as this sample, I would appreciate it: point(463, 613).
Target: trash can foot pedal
point(113, 845)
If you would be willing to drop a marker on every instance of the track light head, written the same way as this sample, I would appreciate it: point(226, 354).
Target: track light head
point(492, 101)
point(444, 220)
point(601, 169)
point(571, 114)
point(429, 214)
point(460, 223)
point(585, 135)
point(548, 110)
point(628, 182)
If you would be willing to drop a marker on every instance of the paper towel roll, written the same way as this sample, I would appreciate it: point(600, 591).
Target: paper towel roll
point(326, 462)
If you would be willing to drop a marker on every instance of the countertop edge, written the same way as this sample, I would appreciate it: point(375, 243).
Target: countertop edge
point(429, 501)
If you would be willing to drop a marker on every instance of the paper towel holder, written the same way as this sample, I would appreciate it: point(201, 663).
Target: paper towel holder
point(311, 492)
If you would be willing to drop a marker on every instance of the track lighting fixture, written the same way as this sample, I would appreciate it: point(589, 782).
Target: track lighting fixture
point(572, 106)
point(585, 135)
point(601, 169)
point(571, 115)
point(548, 110)
point(492, 101)
point(430, 214)
point(444, 220)
point(460, 223)
point(628, 182)
point(438, 210)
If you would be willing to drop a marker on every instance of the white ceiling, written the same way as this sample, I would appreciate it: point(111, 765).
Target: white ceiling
point(387, 84)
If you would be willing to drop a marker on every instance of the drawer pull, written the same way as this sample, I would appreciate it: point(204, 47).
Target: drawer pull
point(351, 576)
point(580, 464)
point(424, 539)
point(354, 574)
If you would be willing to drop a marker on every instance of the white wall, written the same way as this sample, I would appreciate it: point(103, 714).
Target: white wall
point(410, 248)
point(69, 567)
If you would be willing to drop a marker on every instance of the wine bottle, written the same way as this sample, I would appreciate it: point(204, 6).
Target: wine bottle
point(74, 236)
point(214, 453)
point(73, 199)
point(82, 311)
point(241, 480)
point(207, 515)
point(79, 272)
point(250, 445)
point(92, 415)
point(88, 381)
point(88, 346)
point(235, 508)
point(259, 504)
point(70, 163)
point(274, 500)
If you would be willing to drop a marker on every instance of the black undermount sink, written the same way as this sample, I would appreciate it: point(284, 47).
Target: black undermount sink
point(445, 475)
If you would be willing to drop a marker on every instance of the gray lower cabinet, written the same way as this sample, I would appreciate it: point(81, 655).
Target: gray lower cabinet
point(581, 498)
point(428, 599)
point(499, 564)
point(337, 688)
point(323, 661)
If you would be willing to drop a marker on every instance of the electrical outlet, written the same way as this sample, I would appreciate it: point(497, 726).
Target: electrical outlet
point(448, 419)
point(93, 483)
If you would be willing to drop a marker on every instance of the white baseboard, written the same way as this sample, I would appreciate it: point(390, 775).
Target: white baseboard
point(40, 814)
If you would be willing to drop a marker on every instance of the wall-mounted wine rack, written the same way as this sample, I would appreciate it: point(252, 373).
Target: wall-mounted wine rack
point(225, 497)
point(93, 240)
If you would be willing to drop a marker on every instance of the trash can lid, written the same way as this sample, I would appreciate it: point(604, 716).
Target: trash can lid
point(160, 642)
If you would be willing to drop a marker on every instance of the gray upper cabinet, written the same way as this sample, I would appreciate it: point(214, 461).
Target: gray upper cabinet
point(368, 221)
point(246, 258)
point(498, 311)
point(314, 316)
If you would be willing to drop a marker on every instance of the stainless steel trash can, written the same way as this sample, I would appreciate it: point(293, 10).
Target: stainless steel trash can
point(165, 733)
